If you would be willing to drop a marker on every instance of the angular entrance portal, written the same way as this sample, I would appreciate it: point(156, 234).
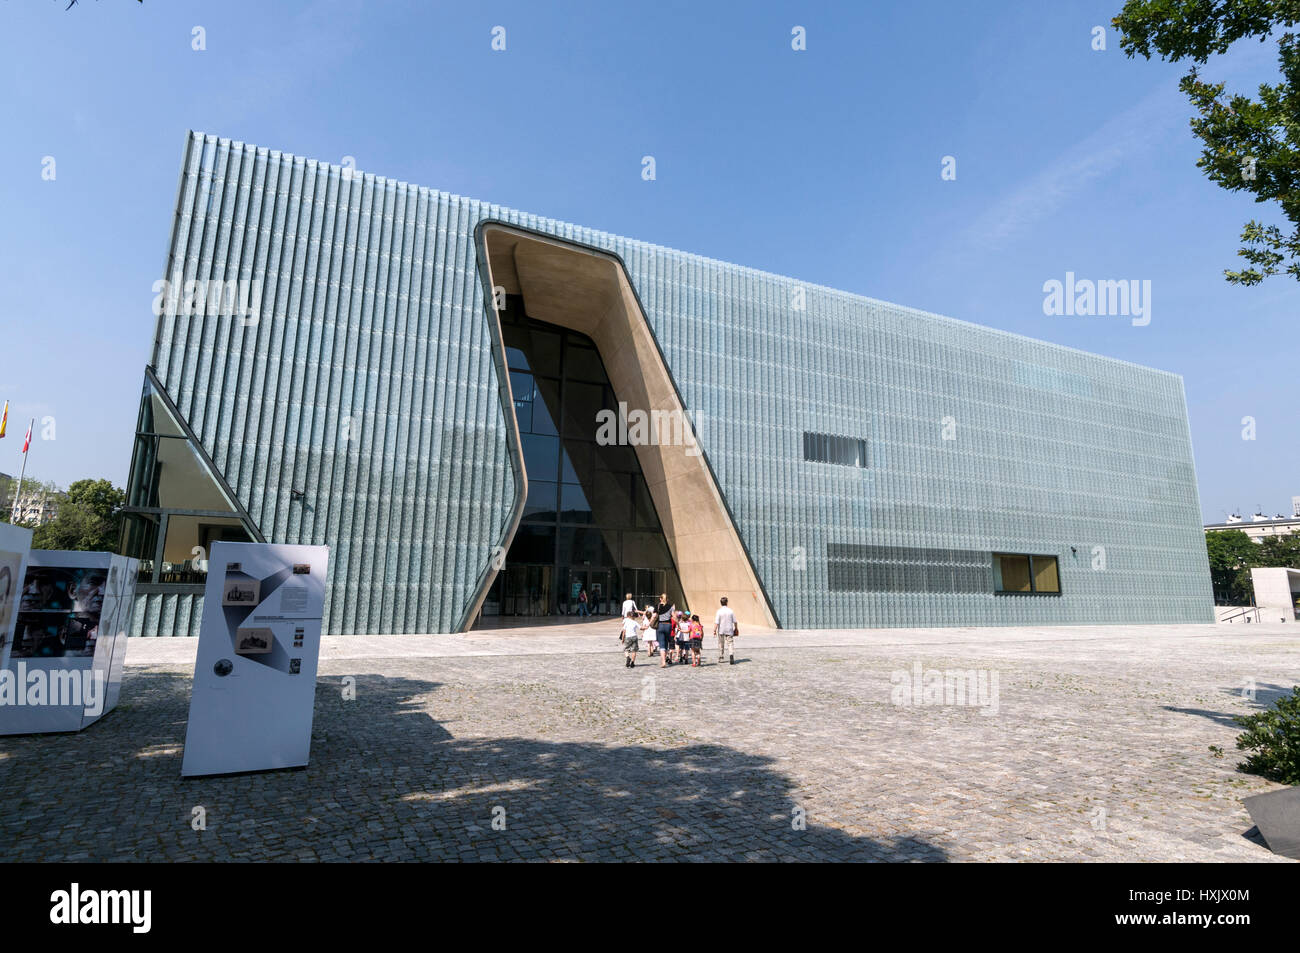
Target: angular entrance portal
point(589, 533)
point(570, 307)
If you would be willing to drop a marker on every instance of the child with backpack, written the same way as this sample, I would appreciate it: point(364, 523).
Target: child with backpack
point(697, 640)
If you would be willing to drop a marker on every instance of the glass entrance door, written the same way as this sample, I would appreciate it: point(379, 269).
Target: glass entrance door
point(521, 591)
point(598, 584)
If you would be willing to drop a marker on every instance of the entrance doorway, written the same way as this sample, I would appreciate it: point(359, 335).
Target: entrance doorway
point(596, 584)
point(588, 516)
point(522, 590)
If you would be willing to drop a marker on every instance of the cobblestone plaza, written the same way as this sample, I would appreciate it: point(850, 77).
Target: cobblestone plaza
point(1099, 750)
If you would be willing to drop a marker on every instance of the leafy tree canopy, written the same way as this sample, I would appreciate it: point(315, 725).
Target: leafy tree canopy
point(89, 519)
point(1249, 145)
point(1233, 554)
point(1230, 549)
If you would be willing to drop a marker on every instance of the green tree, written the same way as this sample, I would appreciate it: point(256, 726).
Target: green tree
point(1249, 145)
point(1231, 553)
point(89, 519)
point(1280, 551)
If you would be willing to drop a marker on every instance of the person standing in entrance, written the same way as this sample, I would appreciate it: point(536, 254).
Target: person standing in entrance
point(664, 628)
point(726, 629)
point(582, 604)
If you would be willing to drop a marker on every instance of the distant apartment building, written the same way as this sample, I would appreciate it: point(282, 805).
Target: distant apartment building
point(1259, 526)
point(34, 509)
point(36, 506)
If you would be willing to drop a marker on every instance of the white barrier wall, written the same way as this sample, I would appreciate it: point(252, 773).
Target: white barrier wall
point(69, 640)
point(254, 689)
point(1275, 593)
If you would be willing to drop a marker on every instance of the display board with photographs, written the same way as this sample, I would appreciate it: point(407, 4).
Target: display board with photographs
point(254, 690)
point(15, 541)
point(73, 612)
point(59, 611)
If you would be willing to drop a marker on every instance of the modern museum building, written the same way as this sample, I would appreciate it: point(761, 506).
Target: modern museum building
point(485, 413)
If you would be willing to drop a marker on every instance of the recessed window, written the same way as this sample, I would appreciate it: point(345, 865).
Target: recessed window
point(852, 567)
point(1024, 573)
point(1046, 577)
point(828, 448)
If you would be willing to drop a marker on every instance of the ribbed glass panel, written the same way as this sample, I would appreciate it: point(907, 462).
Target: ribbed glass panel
point(369, 384)
point(367, 381)
point(166, 614)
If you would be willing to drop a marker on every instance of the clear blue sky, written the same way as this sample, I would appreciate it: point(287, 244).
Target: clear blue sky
point(822, 165)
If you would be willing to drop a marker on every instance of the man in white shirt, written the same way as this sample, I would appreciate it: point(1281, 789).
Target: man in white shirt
point(628, 605)
point(726, 629)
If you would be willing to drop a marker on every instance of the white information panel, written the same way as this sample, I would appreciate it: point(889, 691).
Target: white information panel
point(254, 688)
point(69, 644)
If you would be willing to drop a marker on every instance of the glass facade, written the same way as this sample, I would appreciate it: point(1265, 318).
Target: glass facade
point(366, 408)
point(589, 524)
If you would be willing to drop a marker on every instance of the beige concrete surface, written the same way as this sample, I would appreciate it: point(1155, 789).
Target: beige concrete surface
point(590, 293)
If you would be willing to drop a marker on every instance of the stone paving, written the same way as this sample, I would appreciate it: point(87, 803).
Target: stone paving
point(1099, 749)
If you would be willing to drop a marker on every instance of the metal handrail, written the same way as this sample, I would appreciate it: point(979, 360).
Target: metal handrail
point(1244, 612)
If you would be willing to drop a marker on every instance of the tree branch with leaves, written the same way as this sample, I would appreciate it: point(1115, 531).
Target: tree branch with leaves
point(1248, 145)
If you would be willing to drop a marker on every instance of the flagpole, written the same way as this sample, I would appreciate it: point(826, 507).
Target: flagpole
point(26, 445)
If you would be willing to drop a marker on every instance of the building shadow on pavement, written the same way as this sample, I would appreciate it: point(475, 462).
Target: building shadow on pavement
point(389, 782)
point(1265, 697)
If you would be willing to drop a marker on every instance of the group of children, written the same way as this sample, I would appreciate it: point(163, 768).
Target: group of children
point(686, 639)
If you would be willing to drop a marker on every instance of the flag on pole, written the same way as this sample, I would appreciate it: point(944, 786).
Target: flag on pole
point(4, 420)
point(27, 442)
